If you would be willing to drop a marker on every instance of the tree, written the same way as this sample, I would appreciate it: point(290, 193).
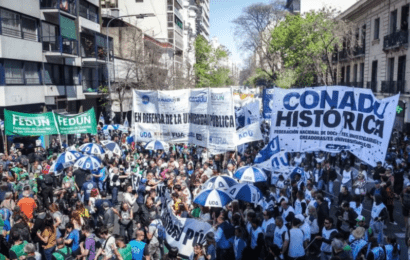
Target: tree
point(252, 31)
point(306, 45)
point(209, 70)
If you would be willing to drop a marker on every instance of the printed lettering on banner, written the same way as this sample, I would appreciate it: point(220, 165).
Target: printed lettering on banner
point(248, 134)
point(203, 117)
point(333, 119)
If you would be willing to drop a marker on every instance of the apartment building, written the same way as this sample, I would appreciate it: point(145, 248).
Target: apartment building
point(52, 56)
point(378, 59)
point(166, 26)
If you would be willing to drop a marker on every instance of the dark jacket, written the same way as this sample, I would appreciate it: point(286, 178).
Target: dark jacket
point(143, 215)
point(108, 218)
point(343, 197)
point(329, 175)
point(352, 215)
point(322, 213)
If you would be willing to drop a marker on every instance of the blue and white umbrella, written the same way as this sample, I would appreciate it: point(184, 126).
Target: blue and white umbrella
point(219, 182)
point(92, 149)
point(157, 145)
point(90, 163)
point(56, 168)
point(112, 147)
point(130, 138)
point(245, 192)
point(67, 159)
point(212, 198)
point(110, 127)
point(250, 174)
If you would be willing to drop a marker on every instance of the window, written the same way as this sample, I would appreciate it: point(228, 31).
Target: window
point(376, 28)
point(13, 72)
point(179, 22)
point(393, 21)
point(10, 23)
point(50, 33)
point(19, 26)
point(31, 73)
point(88, 11)
point(55, 74)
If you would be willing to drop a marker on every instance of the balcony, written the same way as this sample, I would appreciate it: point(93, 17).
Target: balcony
point(60, 46)
point(55, 6)
point(93, 86)
point(88, 14)
point(372, 85)
point(395, 40)
point(61, 81)
point(393, 87)
point(359, 51)
point(94, 48)
point(343, 55)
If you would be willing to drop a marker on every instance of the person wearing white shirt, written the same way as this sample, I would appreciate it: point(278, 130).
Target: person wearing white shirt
point(347, 178)
point(288, 213)
point(256, 236)
point(297, 242)
point(129, 197)
point(305, 227)
point(281, 236)
point(268, 225)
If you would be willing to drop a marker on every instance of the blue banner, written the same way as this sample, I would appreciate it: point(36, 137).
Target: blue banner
point(267, 99)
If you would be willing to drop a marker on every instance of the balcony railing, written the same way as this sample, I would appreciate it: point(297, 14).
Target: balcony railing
point(19, 34)
point(60, 44)
point(69, 6)
point(393, 87)
point(372, 85)
point(93, 86)
point(359, 51)
point(61, 81)
point(22, 81)
point(395, 40)
point(85, 13)
point(343, 55)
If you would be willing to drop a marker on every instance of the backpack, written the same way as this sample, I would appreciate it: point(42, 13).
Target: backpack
point(48, 179)
point(406, 200)
point(24, 234)
point(161, 234)
point(67, 256)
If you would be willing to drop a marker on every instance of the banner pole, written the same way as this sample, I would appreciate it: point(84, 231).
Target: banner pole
point(58, 129)
point(4, 137)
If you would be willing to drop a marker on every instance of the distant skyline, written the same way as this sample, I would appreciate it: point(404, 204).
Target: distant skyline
point(223, 12)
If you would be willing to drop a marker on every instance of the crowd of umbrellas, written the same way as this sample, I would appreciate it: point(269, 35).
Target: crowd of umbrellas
point(220, 190)
point(217, 191)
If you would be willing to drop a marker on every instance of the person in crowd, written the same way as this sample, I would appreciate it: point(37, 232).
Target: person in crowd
point(139, 248)
point(281, 236)
point(326, 237)
point(297, 242)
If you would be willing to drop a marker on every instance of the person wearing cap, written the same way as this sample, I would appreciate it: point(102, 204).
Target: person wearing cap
point(357, 242)
point(405, 202)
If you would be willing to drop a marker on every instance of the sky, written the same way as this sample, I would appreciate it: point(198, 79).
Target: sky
point(223, 12)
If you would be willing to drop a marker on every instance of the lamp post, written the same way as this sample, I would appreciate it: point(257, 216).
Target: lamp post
point(138, 16)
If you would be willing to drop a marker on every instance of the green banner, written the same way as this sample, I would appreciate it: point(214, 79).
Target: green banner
point(77, 124)
point(16, 123)
point(49, 123)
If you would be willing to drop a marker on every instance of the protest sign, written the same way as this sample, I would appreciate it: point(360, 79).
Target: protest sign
point(252, 112)
point(183, 233)
point(74, 124)
point(267, 100)
point(333, 119)
point(24, 124)
point(249, 133)
point(203, 117)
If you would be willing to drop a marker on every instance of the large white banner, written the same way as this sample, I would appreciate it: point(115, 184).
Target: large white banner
point(204, 117)
point(249, 133)
point(183, 233)
point(333, 119)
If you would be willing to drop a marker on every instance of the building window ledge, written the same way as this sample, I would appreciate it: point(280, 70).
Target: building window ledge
point(377, 41)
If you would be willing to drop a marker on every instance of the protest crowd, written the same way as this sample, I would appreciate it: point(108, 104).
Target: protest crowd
point(115, 212)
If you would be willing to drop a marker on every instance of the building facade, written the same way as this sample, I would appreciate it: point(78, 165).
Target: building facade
point(379, 60)
point(52, 55)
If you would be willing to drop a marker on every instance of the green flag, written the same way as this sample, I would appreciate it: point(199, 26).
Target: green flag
point(77, 124)
point(23, 124)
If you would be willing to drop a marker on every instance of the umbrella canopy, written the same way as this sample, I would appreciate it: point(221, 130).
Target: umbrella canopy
point(90, 148)
point(67, 159)
point(156, 145)
point(110, 127)
point(212, 198)
point(56, 168)
point(219, 182)
point(112, 146)
point(250, 174)
point(245, 192)
point(90, 163)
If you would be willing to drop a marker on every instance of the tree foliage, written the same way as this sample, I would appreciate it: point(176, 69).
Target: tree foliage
point(208, 71)
point(306, 44)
